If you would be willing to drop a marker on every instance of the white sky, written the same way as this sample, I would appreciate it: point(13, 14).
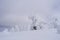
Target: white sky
point(25, 6)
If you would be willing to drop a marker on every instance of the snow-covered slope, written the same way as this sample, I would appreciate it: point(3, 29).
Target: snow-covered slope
point(30, 35)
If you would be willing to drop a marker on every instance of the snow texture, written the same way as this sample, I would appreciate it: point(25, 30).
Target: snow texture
point(30, 35)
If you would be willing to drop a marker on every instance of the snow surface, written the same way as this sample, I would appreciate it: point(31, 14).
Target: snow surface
point(30, 35)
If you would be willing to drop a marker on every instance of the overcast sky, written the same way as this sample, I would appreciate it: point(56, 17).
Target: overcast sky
point(28, 6)
point(17, 11)
point(55, 6)
point(24, 6)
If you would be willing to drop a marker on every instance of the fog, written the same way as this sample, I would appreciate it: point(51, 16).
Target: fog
point(23, 8)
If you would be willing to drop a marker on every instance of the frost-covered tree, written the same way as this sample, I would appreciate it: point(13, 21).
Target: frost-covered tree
point(33, 25)
point(36, 24)
point(56, 25)
point(42, 24)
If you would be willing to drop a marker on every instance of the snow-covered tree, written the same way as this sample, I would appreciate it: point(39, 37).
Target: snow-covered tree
point(33, 25)
point(55, 24)
point(36, 24)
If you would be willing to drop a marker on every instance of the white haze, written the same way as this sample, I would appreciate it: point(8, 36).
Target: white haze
point(18, 11)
